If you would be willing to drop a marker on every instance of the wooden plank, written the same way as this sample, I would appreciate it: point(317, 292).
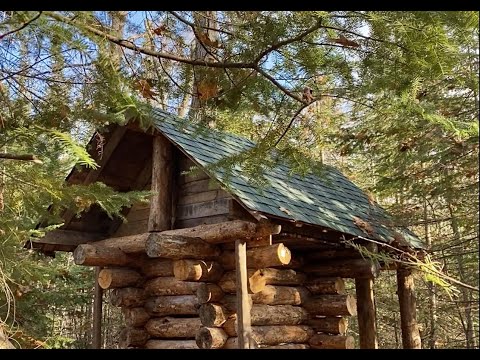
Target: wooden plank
point(408, 318)
point(182, 224)
point(203, 197)
point(68, 237)
point(162, 179)
point(244, 328)
point(204, 209)
point(192, 175)
point(198, 186)
point(97, 312)
point(366, 314)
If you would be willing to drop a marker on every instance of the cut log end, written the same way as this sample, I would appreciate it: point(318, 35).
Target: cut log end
point(211, 338)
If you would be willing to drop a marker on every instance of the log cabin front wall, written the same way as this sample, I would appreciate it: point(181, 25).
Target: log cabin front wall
point(188, 300)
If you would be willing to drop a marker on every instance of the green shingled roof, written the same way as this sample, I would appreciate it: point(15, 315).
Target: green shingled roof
point(329, 200)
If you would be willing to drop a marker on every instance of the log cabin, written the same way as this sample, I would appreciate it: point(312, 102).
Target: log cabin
point(216, 261)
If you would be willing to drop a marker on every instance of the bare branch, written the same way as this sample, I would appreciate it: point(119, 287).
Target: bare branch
point(23, 157)
point(290, 123)
point(24, 25)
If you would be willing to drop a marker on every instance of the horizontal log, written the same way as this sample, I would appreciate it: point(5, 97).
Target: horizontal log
point(320, 256)
point(171, 327)
point(350, 268)
point(324, 341)
point(211, 338)
point(334, 285)
point(67, 237)
point(95, 255)
point(179, 247)
point(287, 347)
point(127, 297)
point(281, 295)
point(259, 257)
point(172, 305)
point(278, 315)
point(197, 270)
point(215, 314)
point(171, 344)
point(228, 231)
point(110, 278)
point(157, 267)
point(132, 337)
point(279, 334)
point(232, 343)
point(170, 286)
point(329, 325)
point(331, 305)
point(251, 243)
point(135, 317)
point(208, 292)
point(127, 244)
point(270, 276)
point(229, 280)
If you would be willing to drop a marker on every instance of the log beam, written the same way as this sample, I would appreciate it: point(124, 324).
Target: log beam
point(366, 314)
point(90, 255)
point(350, 268)
point(259, 257)
point(172, 305)
point(197, 270)
point(323, 286)
point(171, 327)
point(324, 341)
point(170, 286)
point(118, 277)
point(406, 297)
point(331, 305)
point(179, 247)
point(171, 344)
point(160, 217)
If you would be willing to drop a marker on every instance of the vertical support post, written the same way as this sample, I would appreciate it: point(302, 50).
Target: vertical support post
point(160, 217)
point(97, 312)
point(244, 329)
point(406, 298)
point(366, 313)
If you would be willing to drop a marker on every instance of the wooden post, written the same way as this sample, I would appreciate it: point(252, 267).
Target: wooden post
point(406, 297)
point(97, 312)
point(366, 313)
point(160, 217)
point(243, 306)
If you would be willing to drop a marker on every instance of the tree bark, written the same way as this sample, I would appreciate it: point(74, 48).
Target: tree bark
point(97, 312)
point(331, 305)
point(127, 297)
point(281, 295)
point(209, 293)
point(269, 276)
point(172, 305)
point(211, 338)
point(259, 257)
point(160, 217)
point(171, 327)
point(133, 337)
point(366, 314)
point(407, 300)
point(330, 325)
point(228, 282)
point(179, 247)
point(350, 268)
point(323, 341)
point(170, 286)
point(135, 317)
point(118, 277)
point(94, 255)
point(197, 270)
point(171, 344)
point(157, 267)
point(278, 334)
point(325, 286)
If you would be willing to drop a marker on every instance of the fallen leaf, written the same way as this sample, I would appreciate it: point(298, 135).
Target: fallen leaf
point(366, 227)
point(286, 211)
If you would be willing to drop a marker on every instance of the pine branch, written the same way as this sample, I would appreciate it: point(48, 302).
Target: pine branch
point(24, 25)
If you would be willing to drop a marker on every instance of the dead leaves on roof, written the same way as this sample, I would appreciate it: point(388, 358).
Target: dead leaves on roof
point(363, 225)
point(285, 210)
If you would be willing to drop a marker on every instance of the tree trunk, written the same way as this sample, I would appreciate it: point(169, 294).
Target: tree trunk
point(118, 277)
point(281, 295)
point(170, 327)
point(171, 344)
point(366, 314)
point(323, 341)
point(211, 338)
point(172, 305)
point(329, 325)
point(406, 298)
point(197, 270)
point(94, 255)
point(325, 286)
point(179, 247)
point(331, 305)
point(127, 297)
point(157, 267)
point(259, 257)
point(170, 286)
